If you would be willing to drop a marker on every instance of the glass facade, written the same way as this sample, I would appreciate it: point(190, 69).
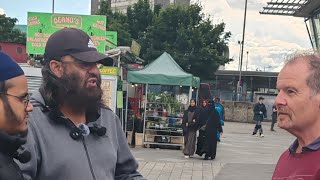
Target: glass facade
point(315, 31)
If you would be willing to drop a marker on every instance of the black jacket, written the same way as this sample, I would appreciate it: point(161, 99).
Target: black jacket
point(213, 124)
point(257, 109)
point(9, 145)
point(194, 125)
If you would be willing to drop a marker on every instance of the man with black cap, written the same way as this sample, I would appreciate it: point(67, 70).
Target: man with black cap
point(73, 135)
point(14, 108)
point(260, 112)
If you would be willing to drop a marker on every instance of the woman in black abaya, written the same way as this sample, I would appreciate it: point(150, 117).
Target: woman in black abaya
point(212, 126)
point(190, 124)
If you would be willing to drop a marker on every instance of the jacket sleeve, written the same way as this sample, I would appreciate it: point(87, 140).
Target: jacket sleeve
point(30, 168)
point(196, 117)
point(126, 167)
point(184, 118)
point(264, 111)
point(256, 109)
point(217, 120)
point(223, 114)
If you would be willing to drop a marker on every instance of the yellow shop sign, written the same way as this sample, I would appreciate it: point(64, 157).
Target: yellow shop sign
point(107, 70)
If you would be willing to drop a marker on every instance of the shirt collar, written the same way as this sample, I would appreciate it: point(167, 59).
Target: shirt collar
point(314, 146)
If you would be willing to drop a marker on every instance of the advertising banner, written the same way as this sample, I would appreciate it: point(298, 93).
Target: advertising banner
point(42, 25)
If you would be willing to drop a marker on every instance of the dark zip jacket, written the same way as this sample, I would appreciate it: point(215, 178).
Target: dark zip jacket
point(9, 145)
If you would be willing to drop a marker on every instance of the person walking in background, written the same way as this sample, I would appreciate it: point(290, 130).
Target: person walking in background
point(190, 125)
point(260, 112)
point(298, 103)
point(274, 117)
point(204, 115)
point(220, 109)
point(14, 109)
point(212, 126)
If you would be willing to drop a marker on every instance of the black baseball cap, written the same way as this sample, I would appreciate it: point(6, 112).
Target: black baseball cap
point(261, 98)
point(76, 43)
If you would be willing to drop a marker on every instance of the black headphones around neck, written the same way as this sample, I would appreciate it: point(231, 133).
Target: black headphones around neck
point(77, 133)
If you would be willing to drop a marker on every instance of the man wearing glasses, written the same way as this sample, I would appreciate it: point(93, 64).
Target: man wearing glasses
point(14, 108)
point(73, 135)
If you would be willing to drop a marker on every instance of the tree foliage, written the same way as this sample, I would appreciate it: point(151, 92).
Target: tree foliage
point(7, 31)
point(191, 38)
point(116, 22)
point(140, 17)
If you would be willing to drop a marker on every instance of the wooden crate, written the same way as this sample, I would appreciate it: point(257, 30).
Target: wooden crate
point(129, 137)
point(149, 138)
point(177, 140)
point(138, 138)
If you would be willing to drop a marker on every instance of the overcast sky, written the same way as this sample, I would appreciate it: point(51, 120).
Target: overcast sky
point(268, 38)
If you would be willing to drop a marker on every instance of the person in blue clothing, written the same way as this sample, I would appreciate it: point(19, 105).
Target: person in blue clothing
point(219, 107)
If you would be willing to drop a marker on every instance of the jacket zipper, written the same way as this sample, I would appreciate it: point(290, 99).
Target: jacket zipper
point(89, 160)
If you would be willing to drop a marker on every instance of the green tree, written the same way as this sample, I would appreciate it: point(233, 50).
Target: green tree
point(7, 31)
point(190, 37)
point(116, 22)
point(140, 17)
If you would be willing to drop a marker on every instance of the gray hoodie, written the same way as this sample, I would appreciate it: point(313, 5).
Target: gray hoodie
point(57, 156)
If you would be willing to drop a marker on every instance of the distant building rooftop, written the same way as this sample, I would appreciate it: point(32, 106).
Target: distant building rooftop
point(246, 73)
point(22, 28)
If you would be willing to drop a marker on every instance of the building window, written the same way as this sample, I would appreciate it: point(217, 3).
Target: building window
point(19, 50)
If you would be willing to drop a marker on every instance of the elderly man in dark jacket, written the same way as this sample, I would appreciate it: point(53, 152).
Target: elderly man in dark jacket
point(14, 108)
point(260, 112)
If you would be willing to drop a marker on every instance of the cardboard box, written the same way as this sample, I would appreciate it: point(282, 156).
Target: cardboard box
point(138, 139)
point(177, 140)
point(129, 137)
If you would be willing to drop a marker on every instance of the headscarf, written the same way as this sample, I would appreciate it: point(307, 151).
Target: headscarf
point(192, 108)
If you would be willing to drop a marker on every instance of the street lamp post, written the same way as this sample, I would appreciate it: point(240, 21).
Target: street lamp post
point(241, 57)
point(52, 6)
point(247, 60)
point(239, 42)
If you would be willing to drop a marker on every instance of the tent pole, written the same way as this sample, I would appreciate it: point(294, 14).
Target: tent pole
point(197, 95)
point(190, 93)
point(145, 113)
point(126, 115)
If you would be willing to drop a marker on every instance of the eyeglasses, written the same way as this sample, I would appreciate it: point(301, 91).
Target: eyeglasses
point(25, 99)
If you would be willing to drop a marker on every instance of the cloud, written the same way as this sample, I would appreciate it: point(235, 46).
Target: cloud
point(268, 38)
point(1, 11)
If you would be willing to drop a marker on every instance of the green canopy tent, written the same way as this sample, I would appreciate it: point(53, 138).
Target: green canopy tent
point(163, 71)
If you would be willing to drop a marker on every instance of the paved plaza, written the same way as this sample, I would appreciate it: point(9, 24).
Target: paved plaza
point(240, 156)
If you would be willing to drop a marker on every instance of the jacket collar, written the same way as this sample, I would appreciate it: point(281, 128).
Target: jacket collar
point(314, 146)
point(9, 144)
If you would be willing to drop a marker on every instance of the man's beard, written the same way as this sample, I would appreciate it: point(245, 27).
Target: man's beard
point(74, 93)
point(13, 120)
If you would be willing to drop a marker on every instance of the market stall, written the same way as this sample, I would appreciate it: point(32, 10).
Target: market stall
point(168, 90)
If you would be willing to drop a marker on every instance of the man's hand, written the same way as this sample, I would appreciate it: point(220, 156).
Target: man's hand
point(194, 120)
point(260, 112)
point(187, 124)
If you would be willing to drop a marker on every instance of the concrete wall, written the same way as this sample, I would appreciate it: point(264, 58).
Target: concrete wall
point(238, 111)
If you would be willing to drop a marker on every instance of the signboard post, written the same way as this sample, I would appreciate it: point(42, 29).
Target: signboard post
point(112, 39)
point(42, 25)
